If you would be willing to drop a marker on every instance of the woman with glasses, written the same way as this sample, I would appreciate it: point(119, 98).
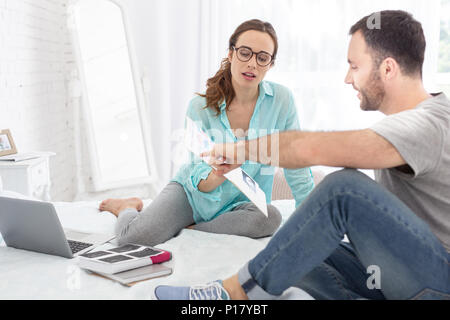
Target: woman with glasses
point(238, 105)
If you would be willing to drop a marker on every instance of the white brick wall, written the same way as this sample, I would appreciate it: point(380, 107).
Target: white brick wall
point(35, 61)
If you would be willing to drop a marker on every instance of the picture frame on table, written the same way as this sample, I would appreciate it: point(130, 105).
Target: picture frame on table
point(7, 146)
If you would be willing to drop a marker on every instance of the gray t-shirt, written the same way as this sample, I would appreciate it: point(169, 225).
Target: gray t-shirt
point(422, 138)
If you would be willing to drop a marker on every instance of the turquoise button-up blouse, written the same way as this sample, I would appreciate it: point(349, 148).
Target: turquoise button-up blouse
point(275, 111)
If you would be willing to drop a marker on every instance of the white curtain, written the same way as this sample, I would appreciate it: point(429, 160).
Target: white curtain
point(180, 45)
point(312, 60)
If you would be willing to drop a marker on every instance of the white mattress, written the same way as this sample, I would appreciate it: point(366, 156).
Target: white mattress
point(198, 258)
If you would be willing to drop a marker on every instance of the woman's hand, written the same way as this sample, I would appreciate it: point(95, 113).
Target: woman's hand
point(223, 169)
point(222, 166)
point(216, 177)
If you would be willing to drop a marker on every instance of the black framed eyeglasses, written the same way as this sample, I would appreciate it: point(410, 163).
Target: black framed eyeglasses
point(244, 54)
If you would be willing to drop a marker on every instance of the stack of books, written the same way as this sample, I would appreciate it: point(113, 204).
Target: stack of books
point(127, 264)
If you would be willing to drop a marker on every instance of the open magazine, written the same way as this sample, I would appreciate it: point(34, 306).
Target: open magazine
point(198, 142)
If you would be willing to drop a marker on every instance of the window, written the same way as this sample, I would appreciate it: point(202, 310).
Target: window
point(113, 101)
point(444, 49)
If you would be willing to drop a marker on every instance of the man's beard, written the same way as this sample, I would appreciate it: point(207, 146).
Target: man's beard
point(373, 94)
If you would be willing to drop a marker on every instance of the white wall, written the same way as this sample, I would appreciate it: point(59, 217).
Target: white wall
point(35, 61)
point(36, 64)
point(170, 58)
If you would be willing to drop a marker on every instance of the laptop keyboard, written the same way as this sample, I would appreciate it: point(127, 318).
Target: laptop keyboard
point(76, 246)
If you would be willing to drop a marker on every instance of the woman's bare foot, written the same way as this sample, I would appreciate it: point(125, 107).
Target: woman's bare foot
point(115, 206)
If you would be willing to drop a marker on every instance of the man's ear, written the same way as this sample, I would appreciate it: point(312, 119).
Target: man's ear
point(389, 69)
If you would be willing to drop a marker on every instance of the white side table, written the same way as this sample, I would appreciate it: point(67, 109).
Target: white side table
point(30, 177)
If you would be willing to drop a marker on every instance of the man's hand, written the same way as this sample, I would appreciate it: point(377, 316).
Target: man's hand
point(221, 167)
point(230, 155)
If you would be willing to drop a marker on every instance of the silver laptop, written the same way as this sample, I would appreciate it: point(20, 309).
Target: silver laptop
point(34, 226)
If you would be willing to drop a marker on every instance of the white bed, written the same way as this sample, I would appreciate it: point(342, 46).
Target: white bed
point(198, 258)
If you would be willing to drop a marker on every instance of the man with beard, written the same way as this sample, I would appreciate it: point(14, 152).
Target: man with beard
point(398, 226)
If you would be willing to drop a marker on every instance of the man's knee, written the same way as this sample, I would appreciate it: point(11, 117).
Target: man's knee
point(346, 174)
point(345, 178)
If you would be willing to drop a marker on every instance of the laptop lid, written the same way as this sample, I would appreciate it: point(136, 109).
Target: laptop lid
point(32, 225)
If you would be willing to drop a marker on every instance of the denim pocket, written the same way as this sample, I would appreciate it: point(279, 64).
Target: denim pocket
point(430, 294)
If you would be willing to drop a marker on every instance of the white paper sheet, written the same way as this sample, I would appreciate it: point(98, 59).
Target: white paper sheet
point(196, 140)
point(249, 187)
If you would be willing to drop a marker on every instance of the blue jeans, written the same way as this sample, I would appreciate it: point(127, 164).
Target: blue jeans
point(392, 253)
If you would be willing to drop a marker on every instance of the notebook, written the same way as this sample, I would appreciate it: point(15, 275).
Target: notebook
point(131, 277)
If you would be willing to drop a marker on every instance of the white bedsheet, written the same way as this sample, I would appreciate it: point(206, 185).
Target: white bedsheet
point(198, 258)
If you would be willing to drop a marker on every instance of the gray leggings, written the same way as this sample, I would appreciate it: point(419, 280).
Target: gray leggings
point(171, 212)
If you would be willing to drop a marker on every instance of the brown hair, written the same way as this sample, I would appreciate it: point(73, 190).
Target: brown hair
point(400, 36)
point(219, 87)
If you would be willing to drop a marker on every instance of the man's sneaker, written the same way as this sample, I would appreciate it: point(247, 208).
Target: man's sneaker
point(211, 291)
